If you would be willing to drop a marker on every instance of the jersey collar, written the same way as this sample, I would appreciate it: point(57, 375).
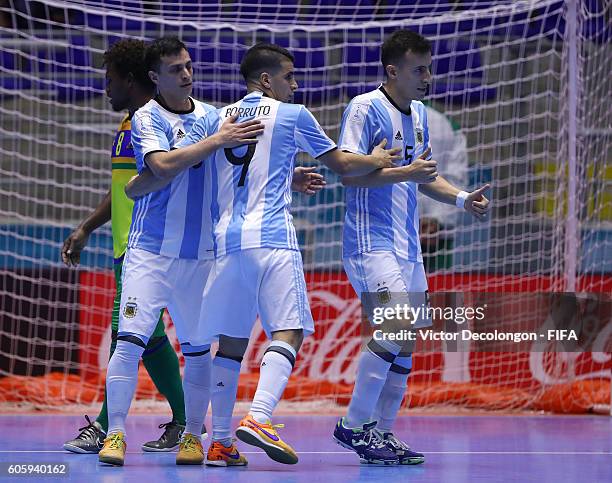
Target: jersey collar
point(160, 100)
point(255, 93)
point(382, 89)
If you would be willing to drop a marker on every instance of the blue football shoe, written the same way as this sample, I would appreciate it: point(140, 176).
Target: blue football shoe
point(404, 454)
point(366, 443)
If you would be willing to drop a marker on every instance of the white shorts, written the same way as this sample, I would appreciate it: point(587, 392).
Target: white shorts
point(265, 281)
point(152, 282)
point(395, 280)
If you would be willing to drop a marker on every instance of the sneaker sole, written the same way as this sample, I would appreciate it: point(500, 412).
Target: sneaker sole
point(413, 461)
point(364, 461)
point(150, 449)
point(220, 463)
point(188, 463)
point(249, 436)
point(109, 460)
point(76, 449)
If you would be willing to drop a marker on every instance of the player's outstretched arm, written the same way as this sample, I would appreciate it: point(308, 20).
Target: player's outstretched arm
point(144, 183)
point(475, 202)
point(76, 241)
point(420, 170)
point(350, 164)
point(306, 181)
point(168, 164)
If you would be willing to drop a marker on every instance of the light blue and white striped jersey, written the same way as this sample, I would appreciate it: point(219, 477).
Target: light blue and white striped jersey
point(174, 221)
point(385, 218)
point(251, 186)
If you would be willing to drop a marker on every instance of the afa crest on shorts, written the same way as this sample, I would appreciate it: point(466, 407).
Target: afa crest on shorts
point(384, 295)
point(130, 309)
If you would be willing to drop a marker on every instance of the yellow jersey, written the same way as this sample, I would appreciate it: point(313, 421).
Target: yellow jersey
point(123, 168)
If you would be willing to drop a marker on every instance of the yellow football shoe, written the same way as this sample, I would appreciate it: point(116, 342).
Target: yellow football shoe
point(113, 451)
point(264, 436)
point(190, 450)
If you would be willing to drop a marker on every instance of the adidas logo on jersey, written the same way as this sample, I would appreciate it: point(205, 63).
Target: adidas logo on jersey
point(180, 134)
point(220, 384)
point(398, 136)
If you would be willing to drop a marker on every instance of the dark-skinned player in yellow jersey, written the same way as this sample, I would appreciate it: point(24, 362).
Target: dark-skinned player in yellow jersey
point(128, 87)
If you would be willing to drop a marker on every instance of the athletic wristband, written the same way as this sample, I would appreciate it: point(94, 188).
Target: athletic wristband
point(461, 197)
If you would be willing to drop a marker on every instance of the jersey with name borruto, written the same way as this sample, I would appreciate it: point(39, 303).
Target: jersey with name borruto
point(251, 186)
point(123, 168)
point(174, 221)
point(384, 218)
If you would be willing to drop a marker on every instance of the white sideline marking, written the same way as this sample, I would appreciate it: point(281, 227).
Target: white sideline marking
point(538, 453)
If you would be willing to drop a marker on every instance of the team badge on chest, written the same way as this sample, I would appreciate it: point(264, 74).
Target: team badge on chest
point(419, 135)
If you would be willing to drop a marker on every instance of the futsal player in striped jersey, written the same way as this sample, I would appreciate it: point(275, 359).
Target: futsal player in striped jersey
point(170, 248)
point(381, 248)
point(258, 268)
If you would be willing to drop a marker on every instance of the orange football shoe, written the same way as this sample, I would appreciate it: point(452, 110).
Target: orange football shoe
point(220, 455)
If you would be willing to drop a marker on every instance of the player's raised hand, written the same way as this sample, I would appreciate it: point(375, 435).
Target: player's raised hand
point(73, 245)
point(306, 181)
point(477, 203)
point(423, 171)
point(386, 157)
point(234, 133)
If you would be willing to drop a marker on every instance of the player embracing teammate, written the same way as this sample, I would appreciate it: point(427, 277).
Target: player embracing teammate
point(381, 248)
point(256, 250)
point(227, 190)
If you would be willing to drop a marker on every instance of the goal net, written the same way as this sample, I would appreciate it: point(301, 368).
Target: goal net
point(520, 99)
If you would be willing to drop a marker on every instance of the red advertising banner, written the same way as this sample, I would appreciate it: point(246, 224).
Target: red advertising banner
point(331, 354)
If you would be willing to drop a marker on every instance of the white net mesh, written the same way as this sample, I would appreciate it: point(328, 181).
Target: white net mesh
point(506, 77)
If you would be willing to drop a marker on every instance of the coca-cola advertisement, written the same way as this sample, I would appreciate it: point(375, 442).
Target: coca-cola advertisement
point(443, 371)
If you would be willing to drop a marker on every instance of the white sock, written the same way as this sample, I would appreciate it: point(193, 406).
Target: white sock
point(225, 384)
point(121, 380)
point(392, 394)
point(196, 386)
point(276, 366)
point(371, 377)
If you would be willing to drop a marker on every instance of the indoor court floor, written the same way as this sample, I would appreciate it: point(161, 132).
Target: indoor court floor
point(457, 448)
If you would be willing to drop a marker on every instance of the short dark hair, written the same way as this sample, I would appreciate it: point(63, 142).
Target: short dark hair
point(400, 42)
point(162, 47)
point(263, 57)
point(127, 56)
